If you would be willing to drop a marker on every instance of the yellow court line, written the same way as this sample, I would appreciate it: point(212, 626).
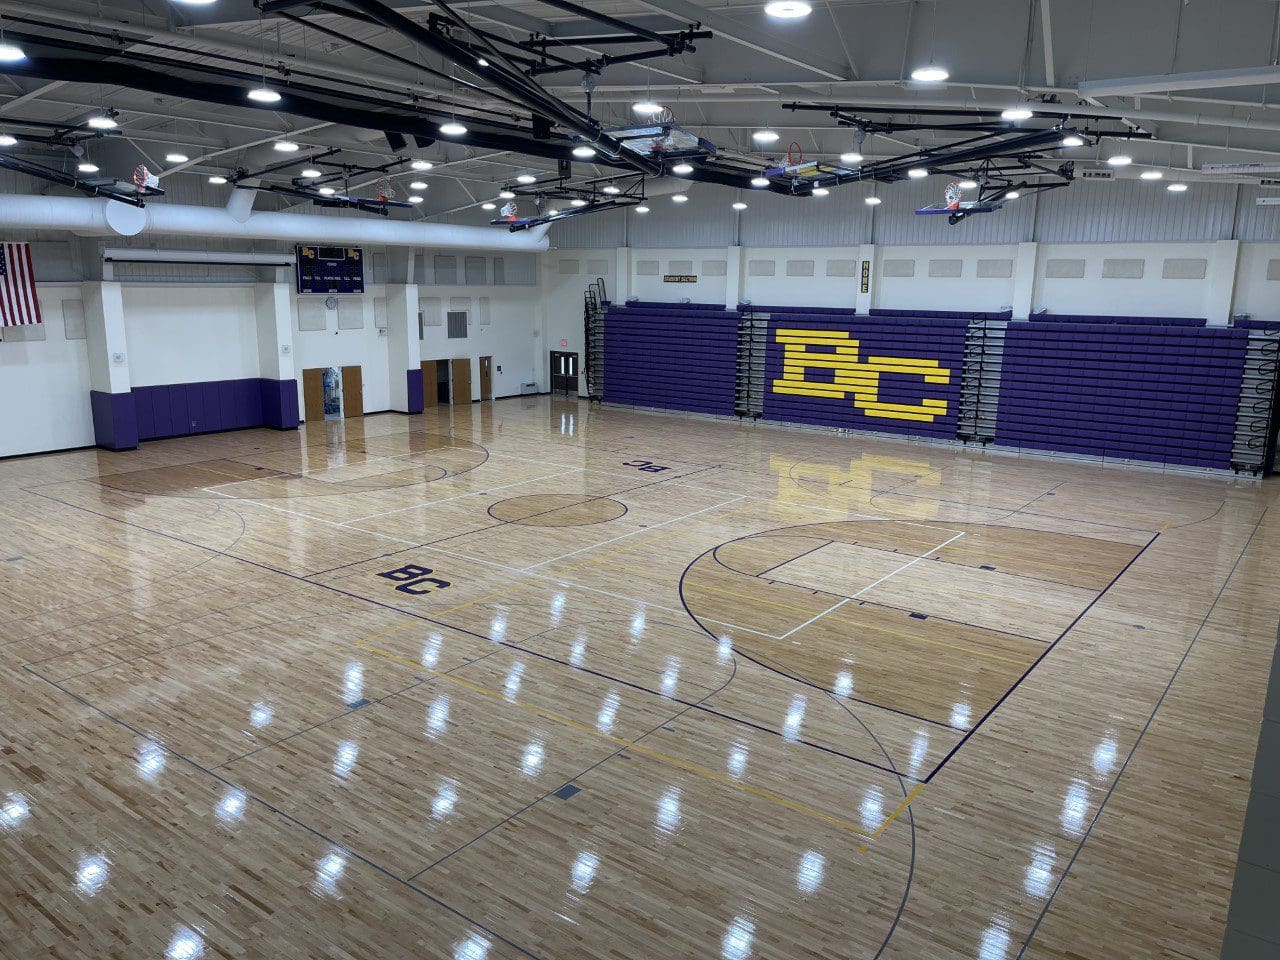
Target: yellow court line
point(79, 543)
point(655, 754)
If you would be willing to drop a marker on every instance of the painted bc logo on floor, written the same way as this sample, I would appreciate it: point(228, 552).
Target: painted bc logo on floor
point(837, 351)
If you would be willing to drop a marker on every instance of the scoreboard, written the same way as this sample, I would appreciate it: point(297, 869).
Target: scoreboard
point(330, 269)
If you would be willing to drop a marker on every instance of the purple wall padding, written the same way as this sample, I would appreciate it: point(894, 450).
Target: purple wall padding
point(279, 400)
point(182, 409)
point(115, 420)
point(671, 357)
point(414, 380)
point(1130, 391)
point(908, 337)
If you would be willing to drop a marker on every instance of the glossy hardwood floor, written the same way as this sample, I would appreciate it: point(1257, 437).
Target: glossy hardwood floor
point(534, 679)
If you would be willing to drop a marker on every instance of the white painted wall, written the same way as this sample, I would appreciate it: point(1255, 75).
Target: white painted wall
point(513, 336)
point(44, 384)
point(818, 290)
point(331, 347)
point(1255, 294)
point(190, 334)
point(708, 289)
point(965, 292)
point(1151, 296)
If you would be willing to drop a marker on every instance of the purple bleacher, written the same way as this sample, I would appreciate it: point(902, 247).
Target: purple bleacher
point(815, 311)
point(1099, 318)
point(671, 358)
point(645, 304)
point(1252, 324)
point(1163, 394)
point(945, 314)
point(940, 339)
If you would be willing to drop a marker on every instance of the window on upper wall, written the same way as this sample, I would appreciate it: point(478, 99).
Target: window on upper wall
point(1123, 269)
point(761, 268)
point(73, 319)
point(350, 315)
point(312, 315)
point(482, 311)
point(446, 271)
point(475, 271)
point(898, 268)
point(457, 324)
point(1064, 270)
point(715, 268)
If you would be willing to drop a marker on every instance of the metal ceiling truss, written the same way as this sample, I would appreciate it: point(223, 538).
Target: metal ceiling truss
point(302, 188)
point(598, 195)
point(109, 187)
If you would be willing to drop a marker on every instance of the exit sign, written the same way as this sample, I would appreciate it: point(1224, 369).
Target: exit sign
point(564, 343)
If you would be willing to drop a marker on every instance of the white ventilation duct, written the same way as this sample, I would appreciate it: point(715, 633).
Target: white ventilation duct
point(93, 216)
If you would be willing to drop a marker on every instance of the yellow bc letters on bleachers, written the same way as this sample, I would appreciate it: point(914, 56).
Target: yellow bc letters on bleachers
point(837, 351)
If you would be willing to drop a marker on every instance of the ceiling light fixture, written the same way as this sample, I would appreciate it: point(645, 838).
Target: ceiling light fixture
point(526, 178)
point(646, 108)
point(506, 195)
point(452, 128)
point(578, 202)
point(414, 198)
point(739, 205)
point(1016, 113)
point(263, 94)
point(8, 140)
point(682, 169)
point(418, 185)
point(1177, 188)
point(488, 206)
point(311, 173)
point(217, 180)
point(11, 53)
point(1012, 195)
point(765, 136)
point(176, 158)
point(929, 74)
point(482, 62)
point(968, 184)
point(584, 151)
point(1151, 175)
point(196, 3)
point(328, 191)
point(611, 190)
point(872, 201)
point(1071, 140)
point(679, 198)
point(285, 146)
point(422, 165)
point(917, 173)
point(852, 157)
point(788, 9)
point(102, 122)
point(642, 209)
point(820, 191)
point(759, 181)
point(86, 166)
point(1119, 160)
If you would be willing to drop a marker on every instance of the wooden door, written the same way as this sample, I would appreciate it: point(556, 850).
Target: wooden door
point(313, 394)
point(428, 383)
point(352, 392)
point(460, 375)
point(486, 378)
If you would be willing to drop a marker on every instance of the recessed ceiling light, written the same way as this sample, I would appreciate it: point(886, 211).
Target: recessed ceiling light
point(217, 180)
point(526, 178)
point(852, 157)
point(646, 108)
point(787, 9)
point(176, 158)
point(611, 190)
point(102, 122)
point(422, 165)
point(414, 198)
point(584, 151)
point(7, 140)
point(263, 95)
point(1016, 113)
point(488, 206)
point(284, 146)
point(418, 185)
point(759, 181)
point(820, 191)
point(872, 201)
point(1151, 175)
point(506, 195)
point(1177, 188)
point(1120, 160)
point(87, 167)
point(929, 74)
point(739, 205)
point(765, 136)
point(328, 191)
point(311, 173)
point(452, 128)
point(682, 168)
point(1012, 195)
point(642, 209)
point(196, 3)
point(679, 198)
point(1071, 140)
point(968, 185)
point(917, 173)
point(11, 53)
point(578, 202)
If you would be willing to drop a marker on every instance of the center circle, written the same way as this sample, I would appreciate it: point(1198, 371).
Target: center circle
point(557, 510)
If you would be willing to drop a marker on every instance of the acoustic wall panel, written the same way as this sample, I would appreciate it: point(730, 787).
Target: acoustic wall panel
point(676, 356)
point(889, 374)
point(1162, 394)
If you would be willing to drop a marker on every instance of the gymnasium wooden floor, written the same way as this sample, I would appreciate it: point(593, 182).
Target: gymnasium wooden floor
point(536, 680)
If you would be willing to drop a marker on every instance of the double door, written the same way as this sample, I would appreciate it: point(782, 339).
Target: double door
point(564, 372)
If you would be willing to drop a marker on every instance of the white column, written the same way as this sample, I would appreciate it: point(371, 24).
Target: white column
point(105, 337)
point(1024, 280)
point(733, 278)
point(272, 307)
point(404, 354)
point(623, 277)
point(1220, 288)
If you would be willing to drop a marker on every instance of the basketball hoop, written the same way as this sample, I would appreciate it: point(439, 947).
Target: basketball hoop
point(794, 154)
point(953, 194)
point(385, 190)
point(143, 178)
point(508, 210)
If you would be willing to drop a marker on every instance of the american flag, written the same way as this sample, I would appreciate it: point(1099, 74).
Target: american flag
point(18, 303)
